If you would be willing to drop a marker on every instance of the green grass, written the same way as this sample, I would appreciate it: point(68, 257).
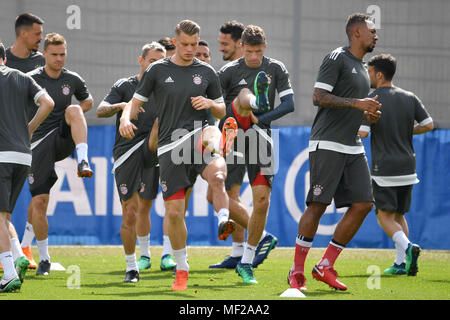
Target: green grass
point(102, 271)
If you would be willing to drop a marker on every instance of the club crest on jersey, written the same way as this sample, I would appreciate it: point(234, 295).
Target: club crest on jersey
point(30, 178)
point(66, 89)
point(317, 190)
point(197, 79)
point(123, 189)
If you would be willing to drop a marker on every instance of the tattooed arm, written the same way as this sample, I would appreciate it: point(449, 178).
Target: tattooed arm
point(105, 110)
point(323, 98)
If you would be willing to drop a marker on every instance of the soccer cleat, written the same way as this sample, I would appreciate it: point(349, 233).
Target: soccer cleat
point(29, 255)
point(297, 280)
point(412, 254)
point(180, 282)
point(84, 171)
point(21, 265)
point(397, 269)
point(132, 276)
point(167, 263)
point(229, 133)
point(225, 229)
point(267, 244)
point(245, 270)
point(229, 263)
point(329, 276)
point(43, 268)
point(261, 90)
point(10, 285)
point(144, 263)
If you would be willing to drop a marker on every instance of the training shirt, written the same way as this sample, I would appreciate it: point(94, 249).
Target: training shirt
point(343, 75)
point(17, 92)
point(172, 87)
point(393, 158)
point(61, 90)
point(236, 75)
point(35, 60)
point(122, 91)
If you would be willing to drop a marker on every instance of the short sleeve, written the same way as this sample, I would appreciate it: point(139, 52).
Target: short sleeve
point(115, 93)
point(146, 85)
point(34, 90)
point(81, 92)
point(329, 71)
point(214, 89)
point(284, 87)
point(421, 115)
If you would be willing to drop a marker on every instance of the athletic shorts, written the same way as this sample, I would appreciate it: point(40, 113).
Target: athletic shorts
point(12, 178)
point(344, 177)
point(57, 146)
point(138, 173)
point(175, 176)
point(252, 150)
point(395, 199)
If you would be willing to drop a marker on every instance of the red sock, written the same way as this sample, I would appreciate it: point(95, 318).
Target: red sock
point(330, 255)
point(301, 251)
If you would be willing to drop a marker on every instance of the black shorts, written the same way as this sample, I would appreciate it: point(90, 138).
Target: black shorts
point(175, 176)
point(395, 199)
point(344, 177)
point(57, 146)
point(136, 174)
point(12, 178)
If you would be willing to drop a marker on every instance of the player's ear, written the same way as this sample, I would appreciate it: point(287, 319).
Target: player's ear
point(174, 41)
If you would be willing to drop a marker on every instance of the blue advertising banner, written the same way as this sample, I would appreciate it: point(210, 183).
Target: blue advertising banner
point(88, 211)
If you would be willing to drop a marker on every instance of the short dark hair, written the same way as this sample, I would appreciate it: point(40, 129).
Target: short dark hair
point(384, 63)
point(203, 43)
point(188, 27)
point(253, 35)
point(353, 19)
point(167, 43)
point(234, 28)
point(2, 51)
point(26, 20)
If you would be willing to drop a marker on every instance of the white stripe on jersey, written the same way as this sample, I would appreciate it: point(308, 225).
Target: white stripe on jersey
point(426, 121)
point(325, 86)
point(396, 181)
point(285, 93)
point(15, 157)
point(139, 97)
point(335, 53)
point(364, 128)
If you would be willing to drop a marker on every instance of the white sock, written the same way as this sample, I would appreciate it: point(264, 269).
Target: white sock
point(131, 262)
point(401, 240)
point(237, 249)
point(167, 246)
point(144, 244)
point(223, 215)
point(28, 235)
point(263, 235)
point(400, 255)
point(82, 152)
point(43, 250)
point(6, 259)
point(249, 254)
point(181, 259)
point(16, 249)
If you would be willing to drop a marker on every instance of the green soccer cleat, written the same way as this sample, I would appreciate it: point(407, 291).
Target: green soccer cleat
point(144, 263)
point(21, 265)
point(412, 254)
point(167, 263)
point(245, 270)
point(261, 90)
point(10, 285)
point(397, 269)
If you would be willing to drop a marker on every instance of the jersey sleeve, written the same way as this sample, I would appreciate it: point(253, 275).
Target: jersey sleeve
point(214, 89)
point(283, 83)
point(421, 115)
point(115, 93)
point(146, 85)
point(329, 71)
point(81, 91)
point(34, 90)
point(224, 75)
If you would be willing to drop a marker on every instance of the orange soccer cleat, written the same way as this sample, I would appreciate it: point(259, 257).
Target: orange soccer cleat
point(29, 255)
point(180, 282)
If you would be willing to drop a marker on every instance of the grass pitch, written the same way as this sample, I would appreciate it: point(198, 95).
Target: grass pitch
point(97, 273)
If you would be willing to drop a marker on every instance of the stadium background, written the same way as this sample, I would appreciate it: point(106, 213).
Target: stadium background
point(104, 46)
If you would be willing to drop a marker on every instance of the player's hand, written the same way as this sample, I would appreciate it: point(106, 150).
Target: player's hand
point(372, 117)
point(370, 105)
point(126, 128)
point(253, 118)
point(200, 103)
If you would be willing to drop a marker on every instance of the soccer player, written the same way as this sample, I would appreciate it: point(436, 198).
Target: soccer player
point(136, 179)
point(185, 88)
point(17, 92)
point(55, 139)
point(250, 85)
point(337, 161)
point(393, 158)
point(203, 51)
point(23, 55)
point(230, 40)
